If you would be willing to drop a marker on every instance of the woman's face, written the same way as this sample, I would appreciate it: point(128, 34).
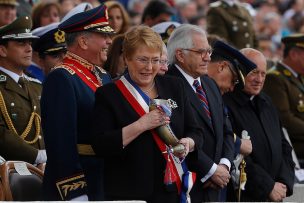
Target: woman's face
point(144, 65)
point(115, 19)
point(50, 15)
point(163, 64)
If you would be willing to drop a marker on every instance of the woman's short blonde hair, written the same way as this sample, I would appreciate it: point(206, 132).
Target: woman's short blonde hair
point(138, 36)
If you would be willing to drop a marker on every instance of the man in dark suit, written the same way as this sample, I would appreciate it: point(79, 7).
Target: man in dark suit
point(285, 86)
point(73, 172)
point(20, 131)
point(189, 59)
point(269, 168)
point(231, 21)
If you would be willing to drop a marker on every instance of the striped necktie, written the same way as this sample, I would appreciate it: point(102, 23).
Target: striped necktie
point(202, 96)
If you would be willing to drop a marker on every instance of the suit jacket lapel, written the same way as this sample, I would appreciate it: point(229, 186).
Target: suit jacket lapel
point(194, 100)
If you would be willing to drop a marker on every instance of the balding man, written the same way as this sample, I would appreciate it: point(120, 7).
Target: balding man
point(269, 168)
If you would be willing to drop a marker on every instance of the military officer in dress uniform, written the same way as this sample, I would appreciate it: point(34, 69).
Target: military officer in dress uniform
point(50, 49)
point(284, 84)
point(20, 131)
point(72, 171)
point(231, 21)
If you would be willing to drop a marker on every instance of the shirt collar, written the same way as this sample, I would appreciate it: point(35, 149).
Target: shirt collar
point(13, 75)
point(189, 78)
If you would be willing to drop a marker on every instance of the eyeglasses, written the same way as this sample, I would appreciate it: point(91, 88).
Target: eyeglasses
point(235, 79)
point(146, 61)
point(202, 52)
point(164, 62)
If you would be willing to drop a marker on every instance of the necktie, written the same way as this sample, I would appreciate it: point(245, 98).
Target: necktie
point(23, 82)
point(202, 96)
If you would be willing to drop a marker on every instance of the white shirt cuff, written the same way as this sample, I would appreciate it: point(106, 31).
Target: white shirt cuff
point(81, 198)
point(226, 162)
point(210, 173)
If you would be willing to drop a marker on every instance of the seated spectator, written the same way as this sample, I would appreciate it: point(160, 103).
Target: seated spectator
point(115, 64)
point(118, 17)
point(45, 13)
point(8, 11)
point(157, 11)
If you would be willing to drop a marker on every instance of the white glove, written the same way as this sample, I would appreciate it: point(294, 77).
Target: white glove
point(81, 198)
point(41, 157)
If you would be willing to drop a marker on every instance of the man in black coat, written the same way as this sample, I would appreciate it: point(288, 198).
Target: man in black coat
point(269, 168)
point(189, 59)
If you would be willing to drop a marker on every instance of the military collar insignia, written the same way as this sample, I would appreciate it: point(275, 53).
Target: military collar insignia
point(2, 78)
point(287, 72)
point(80, 60)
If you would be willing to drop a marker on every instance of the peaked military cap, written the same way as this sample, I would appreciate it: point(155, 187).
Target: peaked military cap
point(95, 20)
point(51, 39)
point(18, 29)
point(9, 2)
point(294, 40)
point(165, 29)
point(241, 64)
point(77, 9)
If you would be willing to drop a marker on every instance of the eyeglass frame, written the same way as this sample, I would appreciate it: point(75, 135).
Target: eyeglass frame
point(234, 73)
point(202, 52)
point(146, 61)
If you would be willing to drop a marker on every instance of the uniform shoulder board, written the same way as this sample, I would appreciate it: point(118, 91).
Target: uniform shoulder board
point(63, 66)
point(216, 4)
point(32, 79)
point(275, 72)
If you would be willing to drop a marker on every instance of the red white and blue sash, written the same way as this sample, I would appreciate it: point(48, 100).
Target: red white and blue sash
point(140, 103)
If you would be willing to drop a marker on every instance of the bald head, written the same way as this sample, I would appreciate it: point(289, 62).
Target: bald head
point(254, 81)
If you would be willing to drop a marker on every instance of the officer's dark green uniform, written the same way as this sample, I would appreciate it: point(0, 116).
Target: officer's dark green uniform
point(287, 92)
point(232, 23)
point(20, 131)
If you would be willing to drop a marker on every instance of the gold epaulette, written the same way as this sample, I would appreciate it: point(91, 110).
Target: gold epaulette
point(85, 149)
point(66, 67)
point(274, 72)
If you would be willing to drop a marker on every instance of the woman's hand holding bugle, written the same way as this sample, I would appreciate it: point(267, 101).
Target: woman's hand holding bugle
point(153, 119)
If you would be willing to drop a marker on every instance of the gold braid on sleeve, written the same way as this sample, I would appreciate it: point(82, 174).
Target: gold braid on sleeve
point(34, 117)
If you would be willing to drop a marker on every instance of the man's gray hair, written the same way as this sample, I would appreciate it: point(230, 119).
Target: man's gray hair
point(181, 38)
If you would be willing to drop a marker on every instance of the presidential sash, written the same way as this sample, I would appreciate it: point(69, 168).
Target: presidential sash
point(180, 174)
